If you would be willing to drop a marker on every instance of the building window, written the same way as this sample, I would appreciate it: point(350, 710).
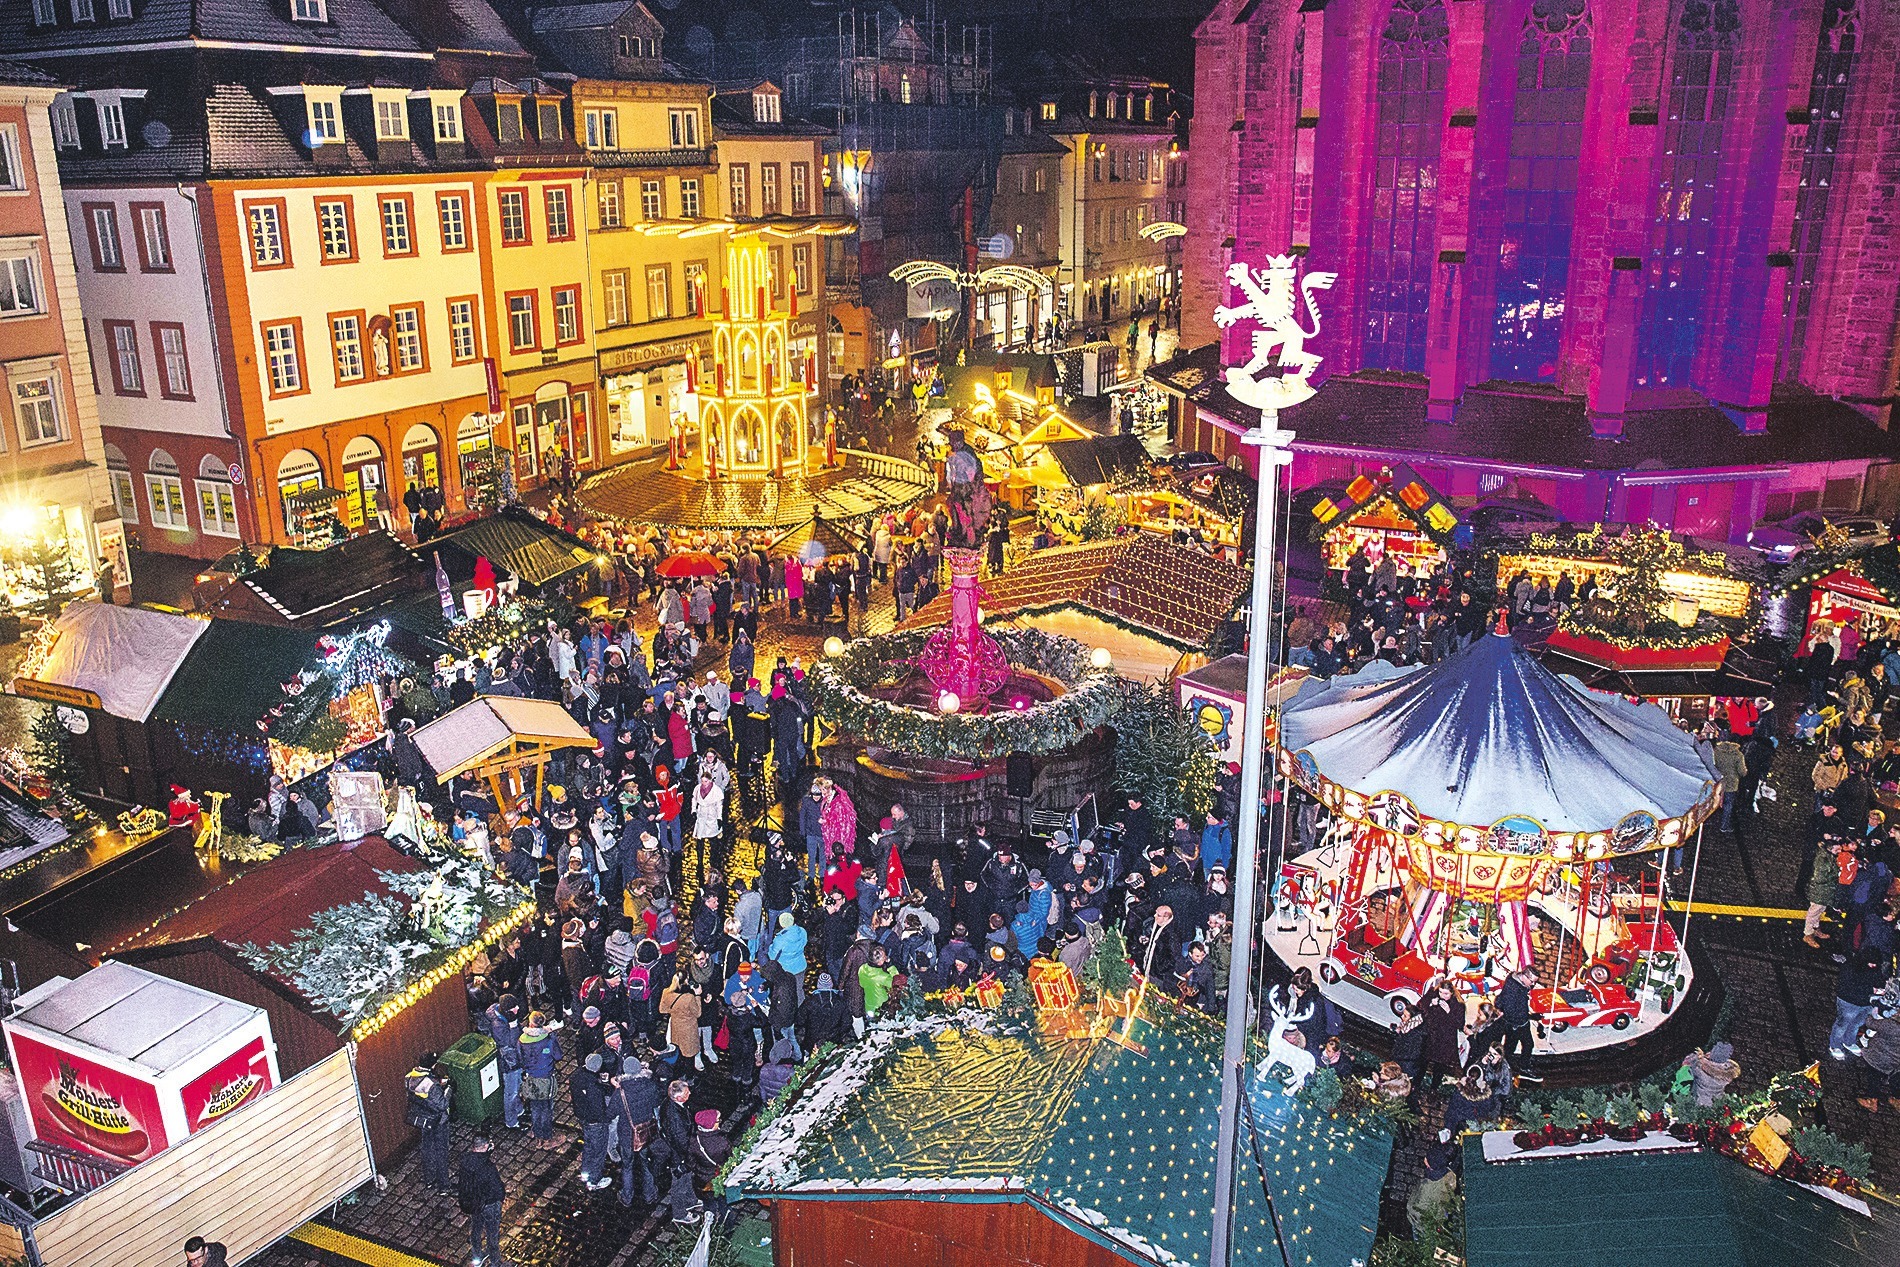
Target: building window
point(112, 124)
point(765, 107)
point(689, 198)
point(392, 120)
point(738, 198)
point(19, 285)
point(776, 266)
point(121, 9)
point(801, 189)
point(1413, 59)
point(283, 355)
point(768, 188)
point(461, 330)
point(128, 370)
point(547, 120)
point(652, 200)
point(1540, 198)
point(1041, 180)
point(801, 267)
point(102, 227)
point(508, 122)
point(336, 232)
point(448, 121)
point(36, 409)
point(43, 13)
point(580, 406)
point(567, 314)
point(523, 336)
point(522, 416)
point(659, 292)
point(65, 123)
point(903, 90)
point(1682, 230)
point(514, 217)
point(694, 274)
point(452, 210)
point(174, 365)
point(608, 194)
point(324, 128)
point(406, 323)
point(124, 494)
point(1048, 112)
point(346, 347)
point(1834, 57)
point(308, 11)
point(613, 297)
point(154, 238)
point(217, 507)
point(12, 172)
point(266, 225)
point(603, 129)
point(683, 128)
point(398, 225)
point(560, 223)
point(165, 491)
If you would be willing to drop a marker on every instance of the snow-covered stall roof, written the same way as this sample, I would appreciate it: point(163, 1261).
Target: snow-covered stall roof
point(122, 656)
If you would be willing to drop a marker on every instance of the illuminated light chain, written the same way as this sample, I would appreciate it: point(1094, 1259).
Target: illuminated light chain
point(456, 962)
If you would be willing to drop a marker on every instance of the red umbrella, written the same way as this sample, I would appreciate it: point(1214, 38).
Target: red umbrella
point(690, 563)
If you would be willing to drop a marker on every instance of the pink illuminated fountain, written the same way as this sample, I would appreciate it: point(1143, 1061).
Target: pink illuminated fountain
point(965, 664)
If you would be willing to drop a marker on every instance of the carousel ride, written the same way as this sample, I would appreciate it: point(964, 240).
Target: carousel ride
point(930, 717)
point(1485, 815)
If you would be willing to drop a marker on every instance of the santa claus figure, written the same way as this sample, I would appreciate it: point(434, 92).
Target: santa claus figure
point(183, 810)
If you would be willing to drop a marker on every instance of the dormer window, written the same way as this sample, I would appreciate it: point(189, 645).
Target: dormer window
point(1049, 111)
point(324, 126)
point(82, 11)
point(765, 107)
point(508, 122)
point(119, 9)
point(1148, 107)
point(43, 14)
point(448, 121)
point(1113, 101)
point(112, 124)
point(1094, 103)
point(309, 11)
point(1009, 123)
point(65, 123)
point(547, 122)
point(392, 119)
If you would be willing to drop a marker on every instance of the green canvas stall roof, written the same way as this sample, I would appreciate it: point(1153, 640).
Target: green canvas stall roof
point(235, 674)
point(1678, 1209)
point(1116, 1145)
point(513, 540)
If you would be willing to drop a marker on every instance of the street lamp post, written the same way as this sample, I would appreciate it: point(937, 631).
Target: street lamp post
point(1269, 386)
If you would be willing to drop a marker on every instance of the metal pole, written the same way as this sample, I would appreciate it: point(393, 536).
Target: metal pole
point(1274, 452)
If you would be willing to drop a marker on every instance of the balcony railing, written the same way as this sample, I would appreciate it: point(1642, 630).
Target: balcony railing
point(682, 157)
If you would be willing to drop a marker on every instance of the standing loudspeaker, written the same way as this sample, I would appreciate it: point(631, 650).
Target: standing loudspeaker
point(1022, 776)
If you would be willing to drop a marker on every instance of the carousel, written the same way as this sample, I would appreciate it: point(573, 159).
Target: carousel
point(1483, 815)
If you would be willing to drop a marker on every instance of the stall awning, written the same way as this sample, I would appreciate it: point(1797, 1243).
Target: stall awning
point(312, 498)
point(1101, 459)
point(118, 659)
point(461, 739)
point(522, 543)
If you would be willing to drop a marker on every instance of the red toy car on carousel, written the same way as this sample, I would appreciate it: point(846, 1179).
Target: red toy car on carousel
point(1581, 1005)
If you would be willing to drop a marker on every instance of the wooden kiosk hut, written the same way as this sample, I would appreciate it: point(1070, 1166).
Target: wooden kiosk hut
point(500, 738)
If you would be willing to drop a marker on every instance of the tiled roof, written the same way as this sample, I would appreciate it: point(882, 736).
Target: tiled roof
point(322, 587)
point(19, 73)
point(732, 116)
point(352, 24)
point(580, 17)
point(1175, 593)
point(1528, 426)
point(1033, 143)
point(1101, 459)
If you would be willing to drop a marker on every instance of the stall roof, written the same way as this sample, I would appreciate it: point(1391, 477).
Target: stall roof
point(514, 539)
point(1101, 459)
point(1489, 733)
point(235, 674)
point(126, 656)
point(320, 588)
point(1675, 1209)
point(1105, 1140)
point(463, 737)
point(135, 1015)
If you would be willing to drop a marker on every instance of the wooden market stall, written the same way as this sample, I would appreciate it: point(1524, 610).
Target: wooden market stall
point(1719, 582)
point(1827, 590)
point(1395, 515)
point(500, 738)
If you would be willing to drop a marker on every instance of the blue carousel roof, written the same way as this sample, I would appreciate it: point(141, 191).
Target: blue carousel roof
point(1489, 733)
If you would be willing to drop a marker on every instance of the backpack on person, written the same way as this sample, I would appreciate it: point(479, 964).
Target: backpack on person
point(639, 982)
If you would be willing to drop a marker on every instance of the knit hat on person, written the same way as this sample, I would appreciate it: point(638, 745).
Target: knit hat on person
point(590, 1014)
point(1721, 1052)
point(707, 1119)
point(825, 982)
point(786, 919)
point(592, 1063)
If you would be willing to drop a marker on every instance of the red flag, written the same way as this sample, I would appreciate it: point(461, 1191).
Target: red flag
point(895, 880)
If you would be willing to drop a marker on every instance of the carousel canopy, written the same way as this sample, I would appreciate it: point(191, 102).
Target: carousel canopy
point(1490, 734)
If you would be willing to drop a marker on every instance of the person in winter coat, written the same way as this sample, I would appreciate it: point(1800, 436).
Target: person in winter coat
point(587, 1091)
point(538, 1054)
point(821, 1017)
point(1880, 1063)
point(636, 1098)
point(1854, 988)
point(1824, 886)
point(852, 984)
point(788, 950)
point(749, 909)
point(776, 1074)
point(1217, 843)
point(502, 1023)
point(875, 978)
point(1032, 921)
point(479, 1191)
point(679, 1004)
point(1471, 1101)
point(709, 809)
point(1408, 1039)
point(1444, 1024)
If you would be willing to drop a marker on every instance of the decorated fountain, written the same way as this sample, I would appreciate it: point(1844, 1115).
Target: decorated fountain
point(930, 718)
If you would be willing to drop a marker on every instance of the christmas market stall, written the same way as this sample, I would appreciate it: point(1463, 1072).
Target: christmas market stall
point(503, 740)
point(516, 542)
point(1151, 603)
point(1049, 1141)
point(1485, 815)
point(1396, 515)
point(339, 944)
point(157, 1110)
point(320, 588)
point(1830, 591)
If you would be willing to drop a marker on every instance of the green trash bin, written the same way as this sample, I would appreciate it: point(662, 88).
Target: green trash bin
point(475, 1074)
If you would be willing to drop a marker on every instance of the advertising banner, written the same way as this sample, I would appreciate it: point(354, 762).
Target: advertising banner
point(227, 1086)
point(85, 1105)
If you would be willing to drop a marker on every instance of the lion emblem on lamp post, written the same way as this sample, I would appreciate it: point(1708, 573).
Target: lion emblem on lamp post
point(1270, 305)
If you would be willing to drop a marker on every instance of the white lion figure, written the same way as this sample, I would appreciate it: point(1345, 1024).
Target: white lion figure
point(1269, 304)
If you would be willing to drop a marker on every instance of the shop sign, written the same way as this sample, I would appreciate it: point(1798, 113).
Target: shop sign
point(227, 1086)
point(55, 693)
point(642, 355)
point(86, 1105)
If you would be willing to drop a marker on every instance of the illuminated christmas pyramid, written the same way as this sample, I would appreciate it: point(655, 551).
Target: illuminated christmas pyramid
point(752, 414)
